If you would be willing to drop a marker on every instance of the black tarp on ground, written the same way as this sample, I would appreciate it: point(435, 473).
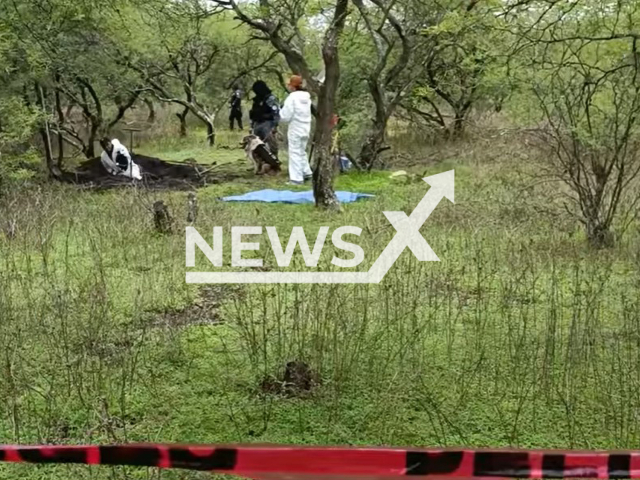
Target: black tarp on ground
point(156, 174)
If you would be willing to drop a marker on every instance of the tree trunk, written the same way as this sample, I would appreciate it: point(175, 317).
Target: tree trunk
point(323, 174)
point(211, 133)
point(599, 235)
point(375, 137)
point(60, 124)
point(598, 228)
point(183, 121)
point(151, 118)
point(324, 166)
point(91, 142)
point(94, 118)
point(458, 125)
point(373, 145)
point(323, 159)
point(162, 218)
point(45, 133)
point(123, 107)
point(379, 81)
point(192, 208)
point(459, 120)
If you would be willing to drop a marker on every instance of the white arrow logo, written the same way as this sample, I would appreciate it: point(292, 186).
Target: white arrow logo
point(407, 236)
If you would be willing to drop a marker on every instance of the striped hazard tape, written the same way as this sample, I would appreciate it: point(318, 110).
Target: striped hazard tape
point(279, 462)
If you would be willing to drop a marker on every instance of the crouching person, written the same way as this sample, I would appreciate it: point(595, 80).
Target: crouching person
point(117, 161)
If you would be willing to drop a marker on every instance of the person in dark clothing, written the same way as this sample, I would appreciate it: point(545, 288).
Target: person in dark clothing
point(235, 112)
point(265, 115)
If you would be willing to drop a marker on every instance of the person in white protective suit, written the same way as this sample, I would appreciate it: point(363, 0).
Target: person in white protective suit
point(296, 111)
point(117, 161)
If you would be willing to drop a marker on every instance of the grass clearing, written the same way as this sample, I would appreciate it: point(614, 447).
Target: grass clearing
point(521, 336)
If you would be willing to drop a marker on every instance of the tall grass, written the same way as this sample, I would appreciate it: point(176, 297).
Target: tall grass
point(520, 336)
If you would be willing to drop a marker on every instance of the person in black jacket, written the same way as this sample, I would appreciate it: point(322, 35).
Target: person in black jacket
point(235, 104)
point(265, 115)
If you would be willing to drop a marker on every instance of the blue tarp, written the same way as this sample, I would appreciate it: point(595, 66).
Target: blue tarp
point(287, 196)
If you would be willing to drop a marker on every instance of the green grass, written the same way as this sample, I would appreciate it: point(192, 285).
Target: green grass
point(521, 336)
point(194, 146)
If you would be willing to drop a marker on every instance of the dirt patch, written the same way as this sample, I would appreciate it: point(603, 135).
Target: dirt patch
point(204, 311)
point(298, 380)
point(156, 174)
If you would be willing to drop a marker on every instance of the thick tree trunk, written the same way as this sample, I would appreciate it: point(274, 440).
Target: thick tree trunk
point(324, 165)
point(183, 121)
point(323, 159)
point(323, 174)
